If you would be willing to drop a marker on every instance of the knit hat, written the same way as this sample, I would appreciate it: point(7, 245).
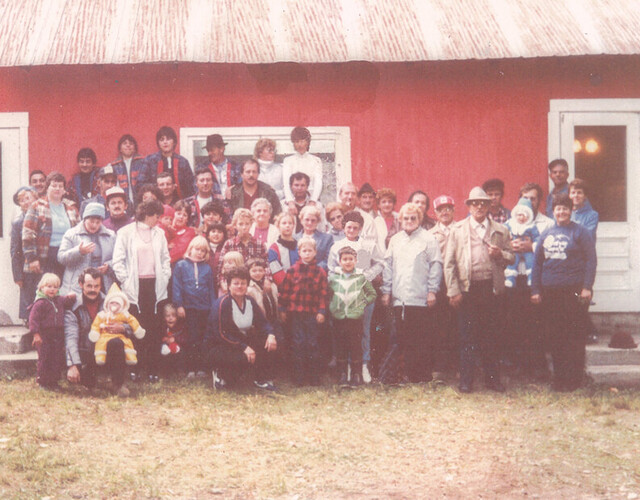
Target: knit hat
point(21, 190)
point(116, 295)
point(93, 209)
point(523, 206)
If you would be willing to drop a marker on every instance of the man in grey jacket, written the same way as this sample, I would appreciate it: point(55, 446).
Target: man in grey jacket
point(81, 366)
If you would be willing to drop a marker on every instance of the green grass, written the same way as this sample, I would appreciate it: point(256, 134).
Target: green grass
point(182, 440)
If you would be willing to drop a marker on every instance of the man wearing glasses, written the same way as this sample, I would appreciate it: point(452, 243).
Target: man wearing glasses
point(477, 253)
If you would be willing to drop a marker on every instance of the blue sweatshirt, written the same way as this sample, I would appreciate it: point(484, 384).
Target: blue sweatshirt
point(565, 257)
point(586, 216)
point(193, 285)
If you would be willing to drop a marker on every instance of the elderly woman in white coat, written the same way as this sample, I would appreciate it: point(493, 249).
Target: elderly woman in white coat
point(142, 264)
point(88, 244)
point(411, 278)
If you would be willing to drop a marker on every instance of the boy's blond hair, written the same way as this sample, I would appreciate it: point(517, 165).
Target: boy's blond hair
point(233, 257)
point(198, 242)
point(241, 213)
point(49, 279)
point(306, 240)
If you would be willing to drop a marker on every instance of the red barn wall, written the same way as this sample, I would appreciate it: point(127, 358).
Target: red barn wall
point(438, 126)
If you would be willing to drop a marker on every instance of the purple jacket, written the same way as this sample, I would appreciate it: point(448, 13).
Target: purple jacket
point(47, 315)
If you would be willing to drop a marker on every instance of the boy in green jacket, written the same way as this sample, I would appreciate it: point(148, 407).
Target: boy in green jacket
point(351, 292)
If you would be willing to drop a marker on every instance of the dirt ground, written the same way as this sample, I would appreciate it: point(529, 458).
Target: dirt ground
point(179, 440)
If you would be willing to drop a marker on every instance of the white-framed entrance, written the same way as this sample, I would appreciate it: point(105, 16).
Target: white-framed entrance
point(579, 131)
point(14, 172)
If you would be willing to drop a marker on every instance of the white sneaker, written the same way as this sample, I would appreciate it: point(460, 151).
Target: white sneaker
point(191, 375)
point(366, 376)
point(201, 374)
point(218, 383)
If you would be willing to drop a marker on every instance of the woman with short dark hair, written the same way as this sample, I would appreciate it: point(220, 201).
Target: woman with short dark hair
point(562, 279)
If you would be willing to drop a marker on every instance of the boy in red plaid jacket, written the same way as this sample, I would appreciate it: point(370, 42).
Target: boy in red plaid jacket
point(303, 296)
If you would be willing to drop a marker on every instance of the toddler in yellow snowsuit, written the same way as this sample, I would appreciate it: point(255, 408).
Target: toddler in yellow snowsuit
point(116, 311)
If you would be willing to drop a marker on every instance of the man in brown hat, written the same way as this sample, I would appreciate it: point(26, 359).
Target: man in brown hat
point(226, 173)
point(477, 253)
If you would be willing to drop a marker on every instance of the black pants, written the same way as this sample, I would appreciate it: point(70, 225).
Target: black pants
point(196, 322)
point(115, 365)
point(349, 344)
point(478, 332)
point(149, 346)
point(231, 362)
point(565, 318)
point(414, 333)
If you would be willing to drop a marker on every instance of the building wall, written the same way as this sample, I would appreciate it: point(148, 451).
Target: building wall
point(440, 126)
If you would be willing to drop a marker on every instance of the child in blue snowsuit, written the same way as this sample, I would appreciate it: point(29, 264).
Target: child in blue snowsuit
point(522, 227)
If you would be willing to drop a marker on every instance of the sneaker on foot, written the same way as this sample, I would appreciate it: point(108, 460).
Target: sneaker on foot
point(191, 375)
point(201, 374)
point(218, 383)
point(267, 385)
point(366, 375)
point(154, 379)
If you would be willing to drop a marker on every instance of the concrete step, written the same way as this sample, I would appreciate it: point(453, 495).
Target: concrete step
point(616, 375)
point(602, 355)
point(23, 356)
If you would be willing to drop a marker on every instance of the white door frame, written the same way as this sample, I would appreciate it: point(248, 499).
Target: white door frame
point(617, 286)
point(14, 136)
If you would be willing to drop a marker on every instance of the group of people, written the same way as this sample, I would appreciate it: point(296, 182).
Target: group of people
point(145, 268)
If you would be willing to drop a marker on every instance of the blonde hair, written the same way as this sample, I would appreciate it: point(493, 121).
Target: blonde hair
point(241, 213)
point(169, 306)
point(411, 208)
point(311, 210)
point(332, 207)
point(283, 215)
point(49, 279)
point(233, 257)
point(198, 242)
point(306, 240)
point(261, 145)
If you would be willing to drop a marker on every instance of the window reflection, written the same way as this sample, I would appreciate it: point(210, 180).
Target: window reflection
point(601, 160)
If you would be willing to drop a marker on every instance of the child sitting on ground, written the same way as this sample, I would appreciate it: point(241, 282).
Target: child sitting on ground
point(46, 323)
point(352, 292)
point(174, 335)
point(115, 310)
point(523, 228)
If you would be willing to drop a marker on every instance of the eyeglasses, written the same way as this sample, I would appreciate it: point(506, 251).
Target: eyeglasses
point(410, 217)
point(445, 208)
point(270, 150)
point(335, 217)
point(478, 203)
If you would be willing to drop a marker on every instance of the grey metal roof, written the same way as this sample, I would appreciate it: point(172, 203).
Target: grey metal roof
point(38, 32)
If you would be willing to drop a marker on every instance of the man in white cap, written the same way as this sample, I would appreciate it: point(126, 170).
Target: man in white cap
point(477, 253)
point(107, 178)
point(445, 317)
point(117, 206)
point(88, 244)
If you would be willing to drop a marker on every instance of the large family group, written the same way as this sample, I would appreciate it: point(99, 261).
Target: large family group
point(145, 268)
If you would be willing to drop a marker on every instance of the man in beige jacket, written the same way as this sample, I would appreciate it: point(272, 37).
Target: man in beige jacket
point(477, 253)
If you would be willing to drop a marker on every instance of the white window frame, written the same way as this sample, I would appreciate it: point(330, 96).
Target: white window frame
point(282, 135)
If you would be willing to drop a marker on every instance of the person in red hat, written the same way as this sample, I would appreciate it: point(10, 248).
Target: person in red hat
point(445, 318)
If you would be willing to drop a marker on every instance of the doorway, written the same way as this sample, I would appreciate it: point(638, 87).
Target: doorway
point(600, 139)
point(14, 172)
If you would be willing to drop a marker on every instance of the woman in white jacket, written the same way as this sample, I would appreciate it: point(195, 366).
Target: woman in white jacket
point(141, 263)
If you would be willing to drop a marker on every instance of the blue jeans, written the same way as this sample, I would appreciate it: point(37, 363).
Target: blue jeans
point(304, 343)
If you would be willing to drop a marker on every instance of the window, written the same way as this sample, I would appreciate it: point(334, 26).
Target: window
point(331, 144)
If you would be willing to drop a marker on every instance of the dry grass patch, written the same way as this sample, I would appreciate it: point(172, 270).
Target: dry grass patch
point(179, 440)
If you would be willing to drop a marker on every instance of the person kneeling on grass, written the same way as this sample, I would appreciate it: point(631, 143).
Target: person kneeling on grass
point(351, 293)
point(239, 337)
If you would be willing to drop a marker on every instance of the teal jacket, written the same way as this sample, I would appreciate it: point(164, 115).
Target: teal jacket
point(350, 294)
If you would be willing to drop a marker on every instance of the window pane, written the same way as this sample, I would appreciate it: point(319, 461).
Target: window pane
point(601, 160)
